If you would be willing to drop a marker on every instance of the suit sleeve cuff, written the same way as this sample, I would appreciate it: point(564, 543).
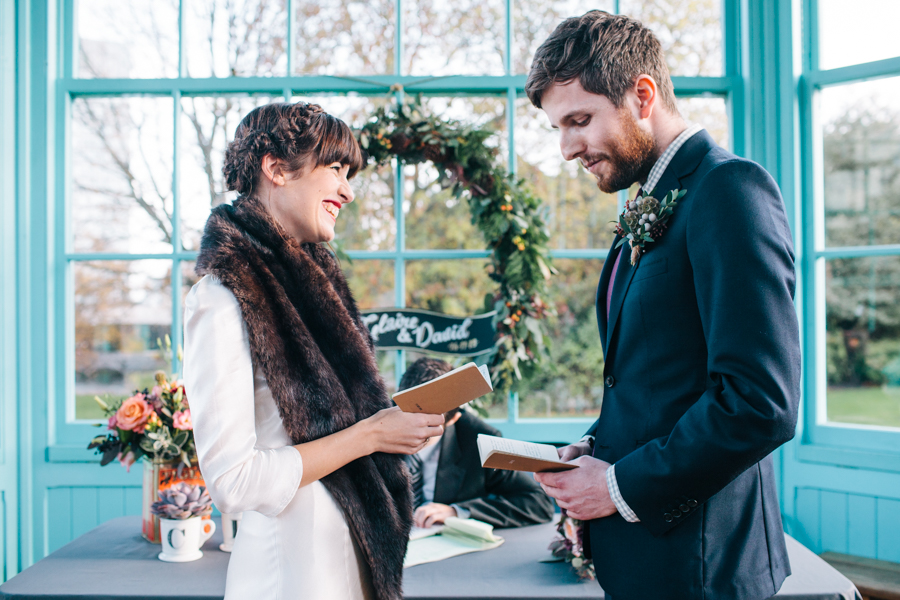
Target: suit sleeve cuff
point(617, 498)
point(462, 513)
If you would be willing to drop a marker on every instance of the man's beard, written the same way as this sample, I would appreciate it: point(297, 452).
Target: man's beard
point(630, 156)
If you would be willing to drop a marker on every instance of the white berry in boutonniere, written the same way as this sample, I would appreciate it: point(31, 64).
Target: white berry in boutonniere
point(644, 220)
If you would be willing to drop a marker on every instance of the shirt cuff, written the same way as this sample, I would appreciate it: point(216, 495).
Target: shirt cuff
point(292, 475)
point(462, 513)
point(617, 498)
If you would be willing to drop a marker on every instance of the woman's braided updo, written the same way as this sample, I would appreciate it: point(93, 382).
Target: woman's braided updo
point(299, 135)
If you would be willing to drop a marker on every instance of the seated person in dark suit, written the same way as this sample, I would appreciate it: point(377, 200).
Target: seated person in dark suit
point(448, 479)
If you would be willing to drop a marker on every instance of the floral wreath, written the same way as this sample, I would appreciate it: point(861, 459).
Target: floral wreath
point(509, 216)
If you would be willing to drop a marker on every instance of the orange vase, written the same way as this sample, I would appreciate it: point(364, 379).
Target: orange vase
point(158, 477)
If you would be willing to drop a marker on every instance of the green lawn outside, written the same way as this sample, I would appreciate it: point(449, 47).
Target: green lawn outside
point(864, 406)
point(87, 408)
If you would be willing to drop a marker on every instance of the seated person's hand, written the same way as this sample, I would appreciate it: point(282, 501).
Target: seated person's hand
point(573, 451)
point(433, 513)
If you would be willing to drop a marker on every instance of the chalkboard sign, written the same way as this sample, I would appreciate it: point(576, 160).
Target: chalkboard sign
point(408, 328)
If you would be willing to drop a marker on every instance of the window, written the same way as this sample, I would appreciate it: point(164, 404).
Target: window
point(852, 86)
point(154, 89)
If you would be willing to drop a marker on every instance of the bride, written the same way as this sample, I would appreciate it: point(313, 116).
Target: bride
point(291, 418)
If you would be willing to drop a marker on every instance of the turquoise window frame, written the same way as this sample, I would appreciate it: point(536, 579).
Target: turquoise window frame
point(821, 441)
point(67, 436)
point(9, 297)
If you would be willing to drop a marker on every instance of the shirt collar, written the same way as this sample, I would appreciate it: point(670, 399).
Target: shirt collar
point(662, 163)
point(428, 452)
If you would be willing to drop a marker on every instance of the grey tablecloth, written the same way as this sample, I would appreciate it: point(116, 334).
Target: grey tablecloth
point(113, 562)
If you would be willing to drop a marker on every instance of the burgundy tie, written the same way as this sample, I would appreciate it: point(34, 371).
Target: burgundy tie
point(612, 280)
point(612, 276)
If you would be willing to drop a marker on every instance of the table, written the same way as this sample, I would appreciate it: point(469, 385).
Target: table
point(113, 562)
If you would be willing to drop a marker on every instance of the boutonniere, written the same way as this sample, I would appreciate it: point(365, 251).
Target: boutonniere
point(644, 220)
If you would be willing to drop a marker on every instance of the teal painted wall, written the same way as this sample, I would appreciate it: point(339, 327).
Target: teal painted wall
point(74, 510)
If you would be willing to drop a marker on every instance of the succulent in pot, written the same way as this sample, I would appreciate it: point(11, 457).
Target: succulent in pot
point(182, 501)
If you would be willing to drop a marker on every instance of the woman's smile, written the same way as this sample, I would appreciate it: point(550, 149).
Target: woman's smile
point(333, 208)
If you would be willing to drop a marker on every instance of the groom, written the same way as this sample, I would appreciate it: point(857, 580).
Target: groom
point(700, 337)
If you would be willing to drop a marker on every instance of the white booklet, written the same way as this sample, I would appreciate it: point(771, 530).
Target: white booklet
point(514, 455)
point(457, 536)
point(418, 533)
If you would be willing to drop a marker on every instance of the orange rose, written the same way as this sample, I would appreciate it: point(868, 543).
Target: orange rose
point(133, 414)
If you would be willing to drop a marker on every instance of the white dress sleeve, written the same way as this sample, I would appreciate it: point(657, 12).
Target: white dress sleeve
point(218, 378)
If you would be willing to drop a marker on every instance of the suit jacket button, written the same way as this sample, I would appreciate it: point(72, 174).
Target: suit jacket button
point(684, 508)
point(669, 518)
point(692, 503)
point(610, 381)
point(676, 513)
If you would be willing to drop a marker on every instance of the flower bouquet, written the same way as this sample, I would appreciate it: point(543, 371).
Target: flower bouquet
point(155, 424)
point(569, 546)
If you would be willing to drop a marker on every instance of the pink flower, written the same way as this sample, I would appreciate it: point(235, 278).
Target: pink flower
point(133, 414)
point(155, 392)
point(571, 530)
point(127, 460)
point(112, 422)
point(182, 420)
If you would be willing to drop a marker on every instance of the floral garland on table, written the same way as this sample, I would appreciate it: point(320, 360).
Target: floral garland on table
point(508, 215)
point(569, 546)
point(155, 424)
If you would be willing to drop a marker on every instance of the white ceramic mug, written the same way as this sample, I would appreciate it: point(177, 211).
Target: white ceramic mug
point(230, 524)
point(182, 538)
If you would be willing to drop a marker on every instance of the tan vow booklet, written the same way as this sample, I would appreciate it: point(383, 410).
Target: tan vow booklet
point(513, 455)
point(449, 391)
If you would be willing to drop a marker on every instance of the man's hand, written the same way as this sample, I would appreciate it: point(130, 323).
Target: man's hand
point(573, 451)
point(433, 513)
point(582, 491)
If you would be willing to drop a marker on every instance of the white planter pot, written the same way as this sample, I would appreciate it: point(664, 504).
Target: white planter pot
point(182, 538)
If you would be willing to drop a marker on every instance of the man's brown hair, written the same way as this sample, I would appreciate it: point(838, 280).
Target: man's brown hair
point(605, 53)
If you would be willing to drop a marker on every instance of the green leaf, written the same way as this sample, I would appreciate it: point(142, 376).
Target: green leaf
point(545, 270)
point(534, 326)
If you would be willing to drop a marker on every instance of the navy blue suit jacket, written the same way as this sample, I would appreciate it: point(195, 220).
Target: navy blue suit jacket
point(702, 383)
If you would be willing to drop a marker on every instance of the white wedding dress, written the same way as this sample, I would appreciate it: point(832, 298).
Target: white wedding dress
point(293, 542)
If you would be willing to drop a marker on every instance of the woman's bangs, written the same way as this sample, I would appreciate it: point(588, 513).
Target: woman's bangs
point(339, 145)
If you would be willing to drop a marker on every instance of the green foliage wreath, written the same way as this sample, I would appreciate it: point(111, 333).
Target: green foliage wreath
point(508, 215)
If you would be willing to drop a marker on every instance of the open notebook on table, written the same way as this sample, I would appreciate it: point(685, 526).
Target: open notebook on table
point(457, 536)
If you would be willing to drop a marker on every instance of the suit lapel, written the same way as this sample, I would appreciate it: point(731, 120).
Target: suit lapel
point(685, 162)
point(602, 288)
point(450, 473)
point(620, 289)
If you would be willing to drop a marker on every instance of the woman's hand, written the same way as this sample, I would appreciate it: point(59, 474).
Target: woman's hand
point(390, 430)
point(396, 432)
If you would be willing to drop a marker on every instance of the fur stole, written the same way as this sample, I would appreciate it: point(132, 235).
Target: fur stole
point(317, 356)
